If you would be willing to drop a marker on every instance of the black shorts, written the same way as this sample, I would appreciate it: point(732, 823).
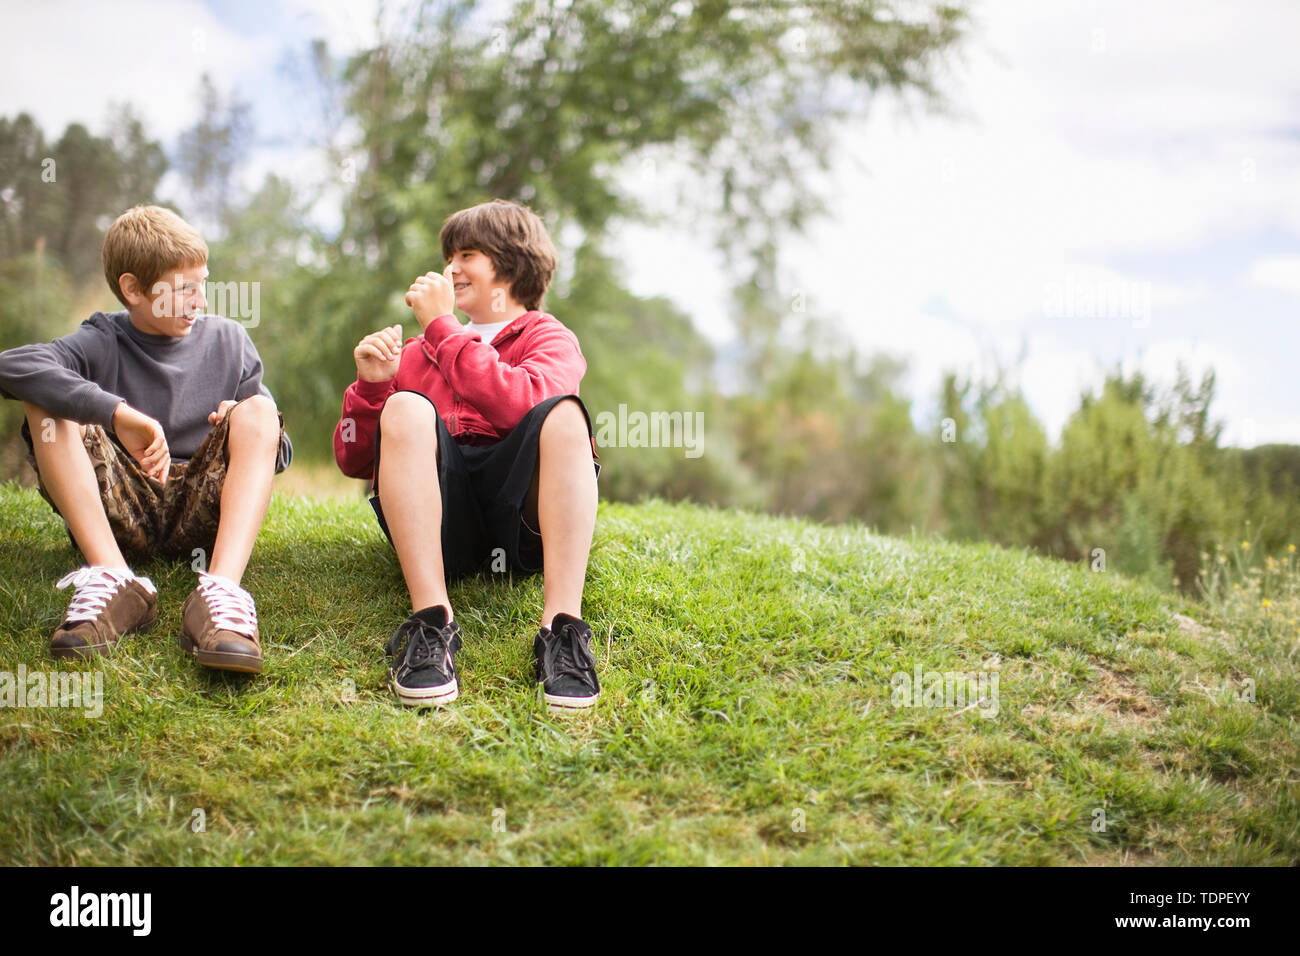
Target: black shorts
point(484, 489)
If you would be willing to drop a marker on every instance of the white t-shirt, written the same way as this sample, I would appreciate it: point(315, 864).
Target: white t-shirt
point(487, 331)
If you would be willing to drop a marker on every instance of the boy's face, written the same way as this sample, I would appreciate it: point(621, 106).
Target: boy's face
point(478, 293)
point(174, 303)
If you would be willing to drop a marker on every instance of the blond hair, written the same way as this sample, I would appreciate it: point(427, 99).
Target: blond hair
point(147, 242)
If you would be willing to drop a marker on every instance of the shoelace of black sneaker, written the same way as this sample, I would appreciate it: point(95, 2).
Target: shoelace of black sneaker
point(429, 645)
point(568, 653)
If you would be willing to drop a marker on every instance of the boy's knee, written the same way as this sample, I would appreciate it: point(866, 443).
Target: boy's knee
point(257, 405)
point(565, 422)
point(257, 415)
point(407, 415)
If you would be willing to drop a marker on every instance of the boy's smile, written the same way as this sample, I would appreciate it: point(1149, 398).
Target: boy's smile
point(472, 278)
point(478, 292)
point(174, 303)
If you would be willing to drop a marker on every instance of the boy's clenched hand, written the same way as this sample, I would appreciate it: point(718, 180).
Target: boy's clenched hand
point(378, 355)
point(430, 296)
point(215, 418)
point(143, 438)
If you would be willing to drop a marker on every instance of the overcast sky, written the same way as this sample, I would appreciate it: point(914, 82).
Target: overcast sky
point(1120, 182)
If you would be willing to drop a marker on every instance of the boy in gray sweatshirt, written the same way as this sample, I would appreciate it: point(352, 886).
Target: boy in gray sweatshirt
point(152, 434)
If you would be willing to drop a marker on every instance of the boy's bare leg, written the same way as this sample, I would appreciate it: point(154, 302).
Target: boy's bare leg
point(566, 509)
point(411, 496)
point(69, 478)
point(251, 443)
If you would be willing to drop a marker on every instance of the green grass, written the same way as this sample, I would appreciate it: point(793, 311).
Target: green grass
point(746, 665)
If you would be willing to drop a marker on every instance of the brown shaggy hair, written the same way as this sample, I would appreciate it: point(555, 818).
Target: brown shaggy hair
point(514, 238)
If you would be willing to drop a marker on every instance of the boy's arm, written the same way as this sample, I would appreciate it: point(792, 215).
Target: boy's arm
point(378, 357)
point(58, 375)
point(250, 384)
point(504, 393)
point(354, 435)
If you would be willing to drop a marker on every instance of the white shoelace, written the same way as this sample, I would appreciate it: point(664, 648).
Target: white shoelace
point(231, 606)
point(95, 587)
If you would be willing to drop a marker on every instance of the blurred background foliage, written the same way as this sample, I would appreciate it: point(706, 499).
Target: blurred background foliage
point(550, 106)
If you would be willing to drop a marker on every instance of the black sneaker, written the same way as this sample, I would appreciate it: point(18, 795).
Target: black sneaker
point(421, 670)
point(566, 668)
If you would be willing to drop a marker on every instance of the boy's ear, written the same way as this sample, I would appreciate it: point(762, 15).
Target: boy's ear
point(130, 287)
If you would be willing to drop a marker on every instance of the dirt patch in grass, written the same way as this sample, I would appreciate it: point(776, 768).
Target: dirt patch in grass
point(1121, 700)
point(1123, 857)
point(1202, 634)
point(15, 737)
point(1112, 699)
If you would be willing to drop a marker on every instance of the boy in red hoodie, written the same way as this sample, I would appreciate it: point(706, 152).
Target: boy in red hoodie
point(477, 430)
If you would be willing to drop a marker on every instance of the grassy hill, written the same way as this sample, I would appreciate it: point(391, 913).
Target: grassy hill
point(750, 711)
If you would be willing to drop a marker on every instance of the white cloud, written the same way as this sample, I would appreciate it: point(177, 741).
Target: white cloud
point(345, 25)
point(65, 61)
point(1160, 359)
point(1270, 428)
point(349, 26)
point(1280, 273)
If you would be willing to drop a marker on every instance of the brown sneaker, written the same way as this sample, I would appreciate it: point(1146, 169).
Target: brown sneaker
point(219, 626)
point(108, 604)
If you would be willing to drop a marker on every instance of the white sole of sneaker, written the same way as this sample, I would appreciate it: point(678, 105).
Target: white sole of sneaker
point(425, 696)
point(568, 705)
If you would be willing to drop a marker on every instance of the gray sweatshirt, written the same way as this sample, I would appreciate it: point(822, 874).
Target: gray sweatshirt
point(84, 376)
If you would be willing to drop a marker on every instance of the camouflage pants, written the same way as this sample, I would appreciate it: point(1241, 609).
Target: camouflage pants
point(149, 518)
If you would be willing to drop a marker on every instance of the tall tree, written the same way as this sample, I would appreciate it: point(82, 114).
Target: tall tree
point(28, 207)
point(141, 159)
point(209, 153)
point(59, 196)
point(545, 105)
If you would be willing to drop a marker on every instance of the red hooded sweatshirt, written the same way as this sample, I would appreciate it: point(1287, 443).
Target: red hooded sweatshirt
point(481, 391)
